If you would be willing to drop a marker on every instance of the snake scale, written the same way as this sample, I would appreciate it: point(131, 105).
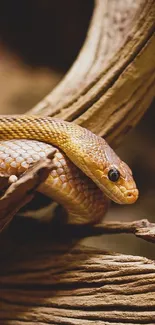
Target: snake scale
point(87, 171)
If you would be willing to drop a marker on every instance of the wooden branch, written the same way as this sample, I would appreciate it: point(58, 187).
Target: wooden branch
point(112, 82)
point(45, 276)
point(51, 283)
point(15, 196)
point(141, 228)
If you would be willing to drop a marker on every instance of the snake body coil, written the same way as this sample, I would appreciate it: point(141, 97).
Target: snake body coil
point(87, 170)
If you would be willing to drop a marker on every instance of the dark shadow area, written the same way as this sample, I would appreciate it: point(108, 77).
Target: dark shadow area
point(45, 33)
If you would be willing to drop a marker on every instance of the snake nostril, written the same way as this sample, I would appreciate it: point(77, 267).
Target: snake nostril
point(132, 195)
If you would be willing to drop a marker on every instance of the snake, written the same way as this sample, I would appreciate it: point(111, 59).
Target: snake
point(87, 172)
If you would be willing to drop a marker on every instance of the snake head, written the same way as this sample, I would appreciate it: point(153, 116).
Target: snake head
point(113, 176)
point(118, 183)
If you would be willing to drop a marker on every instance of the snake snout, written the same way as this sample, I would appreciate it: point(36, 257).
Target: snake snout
point(131, 196)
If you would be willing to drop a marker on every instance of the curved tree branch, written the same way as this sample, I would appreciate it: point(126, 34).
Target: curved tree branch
point(45, 277)
point(112, 82)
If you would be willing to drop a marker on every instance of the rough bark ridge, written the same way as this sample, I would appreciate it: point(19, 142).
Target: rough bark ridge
point(45, 277)
point(54, 284)
point(112, 82)
point(13, 197)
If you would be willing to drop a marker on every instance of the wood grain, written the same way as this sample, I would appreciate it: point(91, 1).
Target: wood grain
point(16, 195)
point(45, 276)
point(112, 82)
point(54, 284)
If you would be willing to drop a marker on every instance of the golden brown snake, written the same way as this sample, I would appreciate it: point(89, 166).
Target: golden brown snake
point(87, 170)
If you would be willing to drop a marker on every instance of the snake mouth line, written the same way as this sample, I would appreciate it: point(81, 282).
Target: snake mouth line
point(121, 197)
point(128, 197)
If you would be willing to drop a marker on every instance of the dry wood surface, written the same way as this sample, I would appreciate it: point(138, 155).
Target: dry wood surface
point(112, 82)
point(47, 283)
point(46, 276)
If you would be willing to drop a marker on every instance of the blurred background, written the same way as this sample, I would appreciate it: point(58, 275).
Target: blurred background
point(39, 41)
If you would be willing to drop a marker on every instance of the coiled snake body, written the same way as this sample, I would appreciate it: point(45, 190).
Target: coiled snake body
point(87, 170)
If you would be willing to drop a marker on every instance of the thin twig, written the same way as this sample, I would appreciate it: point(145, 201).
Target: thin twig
point(140, 228)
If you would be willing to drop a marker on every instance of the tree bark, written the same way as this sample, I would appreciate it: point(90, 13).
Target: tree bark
point(45, 276)
point(112, 82)
point(16, 195)
point(58, 284)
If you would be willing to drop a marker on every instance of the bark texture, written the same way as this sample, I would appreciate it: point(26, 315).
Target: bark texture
point(16, 195)
point(45, 276)
point(53, 284)
point(112, 82)
point(142, 229)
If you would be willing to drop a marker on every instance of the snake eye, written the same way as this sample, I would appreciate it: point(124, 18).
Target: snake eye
point(113, 175)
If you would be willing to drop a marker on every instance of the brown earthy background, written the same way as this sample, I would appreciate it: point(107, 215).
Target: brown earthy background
point(32, 63)
point(46, 275)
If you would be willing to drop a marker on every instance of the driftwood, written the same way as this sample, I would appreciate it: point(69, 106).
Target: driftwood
point(47, 283)
point(112, 82)
point(18, 194)
point(45, 276)
point(141, 228)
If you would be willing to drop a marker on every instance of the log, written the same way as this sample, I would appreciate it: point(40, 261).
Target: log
point(112, 82)
point(53, 282)
point(46, 275)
